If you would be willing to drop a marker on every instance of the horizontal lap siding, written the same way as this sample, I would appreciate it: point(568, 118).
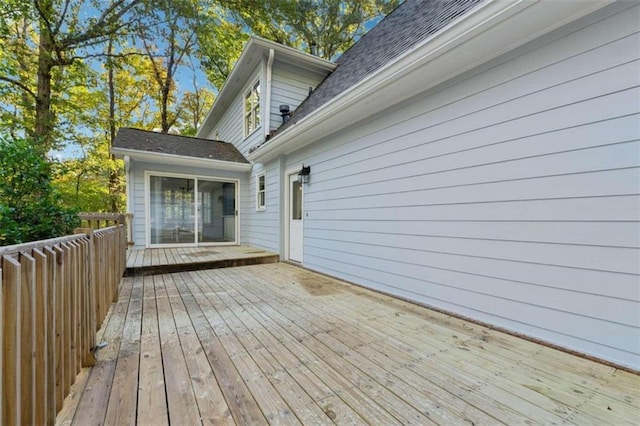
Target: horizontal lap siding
point(510, 196)
point(262, 226)
point(290, 86)
point(230, 128)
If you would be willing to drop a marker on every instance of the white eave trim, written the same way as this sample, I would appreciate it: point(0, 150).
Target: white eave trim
point(489, 30)
point(180, 160)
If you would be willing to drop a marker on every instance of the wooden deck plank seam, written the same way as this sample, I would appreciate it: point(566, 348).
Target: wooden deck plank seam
point(290, 303)
point(266, 374)
point(238, 399)
point(231, 355)
point(548, 350)
point(400, 419)
point(274, 355)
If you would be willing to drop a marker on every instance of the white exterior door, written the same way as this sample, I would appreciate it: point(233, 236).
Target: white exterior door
point(295, 218)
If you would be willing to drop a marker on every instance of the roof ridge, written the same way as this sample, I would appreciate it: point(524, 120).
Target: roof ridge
point(174, 135)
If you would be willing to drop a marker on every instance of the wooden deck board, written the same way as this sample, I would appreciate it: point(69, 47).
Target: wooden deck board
point(122, 406)
point(209, 397)
point(92, 405)
point(152, 404)
point(276, 344)
point(155, 261)
point(183, 408)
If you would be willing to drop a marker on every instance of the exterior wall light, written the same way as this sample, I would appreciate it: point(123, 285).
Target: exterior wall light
point(303, 174)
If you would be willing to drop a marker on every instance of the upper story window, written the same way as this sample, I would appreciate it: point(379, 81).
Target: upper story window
point(252, 109)
point(261, 199)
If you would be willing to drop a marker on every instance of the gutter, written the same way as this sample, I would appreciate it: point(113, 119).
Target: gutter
point(489, 30)
point(267, 111)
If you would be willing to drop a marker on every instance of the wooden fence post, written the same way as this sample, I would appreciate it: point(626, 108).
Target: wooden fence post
point(52, 339)
point(60, 298)
point(28, 265)
point(54, 295)
point(11, 281)
point(89, 299)
point(40, 332)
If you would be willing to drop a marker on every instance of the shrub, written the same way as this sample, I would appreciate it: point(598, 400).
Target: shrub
point(30, 209)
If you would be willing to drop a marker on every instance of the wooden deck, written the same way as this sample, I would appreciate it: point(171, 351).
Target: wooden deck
point(278, 344)
point(150, 261)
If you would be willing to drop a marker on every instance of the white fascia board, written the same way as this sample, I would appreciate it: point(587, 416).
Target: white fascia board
point(493, 28)
point(306, 60)
point(180, 160)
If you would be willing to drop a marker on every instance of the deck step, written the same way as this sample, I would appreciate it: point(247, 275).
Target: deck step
point(197, 266)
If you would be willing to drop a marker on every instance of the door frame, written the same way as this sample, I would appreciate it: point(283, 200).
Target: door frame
point(286, 213)
point(147, 208)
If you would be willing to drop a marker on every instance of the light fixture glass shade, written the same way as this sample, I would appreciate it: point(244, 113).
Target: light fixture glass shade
point(303, 174)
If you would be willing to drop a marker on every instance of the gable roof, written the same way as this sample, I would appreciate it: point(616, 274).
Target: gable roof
point(130, 140)
point(256, 49)
point(419, 46)
point(406, 26)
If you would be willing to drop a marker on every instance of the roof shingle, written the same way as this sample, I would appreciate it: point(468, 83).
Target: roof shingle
point(408, 25)
point(144, 140)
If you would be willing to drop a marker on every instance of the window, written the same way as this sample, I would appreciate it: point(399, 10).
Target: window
point(252, 109)
point(261, 200)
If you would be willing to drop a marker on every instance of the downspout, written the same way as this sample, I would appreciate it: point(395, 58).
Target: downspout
point(127, 190)
point(267, 100)
point(127, 170)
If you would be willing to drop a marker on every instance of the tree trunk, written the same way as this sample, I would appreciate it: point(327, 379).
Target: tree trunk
point(114, 176)
point(44, 116)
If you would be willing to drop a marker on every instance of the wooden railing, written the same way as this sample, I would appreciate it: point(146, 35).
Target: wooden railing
point(55, 295)
point(103, 220)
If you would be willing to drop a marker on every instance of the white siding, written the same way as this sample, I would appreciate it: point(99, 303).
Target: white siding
point(290, 86)
point(230, 128)
point(510, 195)
point(138, 170)
point(262, 226)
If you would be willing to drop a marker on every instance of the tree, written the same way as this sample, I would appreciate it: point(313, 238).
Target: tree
point(194, 106)
point(169, 40)
point(322, 27)
point(220, 42)
point(30, 209)
point(121, 98)
point(61, 38)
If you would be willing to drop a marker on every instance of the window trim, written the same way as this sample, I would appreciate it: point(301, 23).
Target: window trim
point(262, 207)
point(245, 114)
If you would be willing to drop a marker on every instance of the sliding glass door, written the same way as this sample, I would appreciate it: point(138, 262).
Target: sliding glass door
point(216, 211)
point(190, 211)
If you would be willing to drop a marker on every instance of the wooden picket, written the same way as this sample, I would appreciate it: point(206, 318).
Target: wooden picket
point(54, 296)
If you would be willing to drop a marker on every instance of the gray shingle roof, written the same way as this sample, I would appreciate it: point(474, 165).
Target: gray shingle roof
point(409, 24)
point(144, 140)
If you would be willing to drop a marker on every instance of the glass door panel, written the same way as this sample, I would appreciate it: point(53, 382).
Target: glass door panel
point(216, 212)
point(172, 210)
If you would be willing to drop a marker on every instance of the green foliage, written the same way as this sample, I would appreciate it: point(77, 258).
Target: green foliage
point(220, 42)
point(332, 26)
point(30, 209)
point(54, 78)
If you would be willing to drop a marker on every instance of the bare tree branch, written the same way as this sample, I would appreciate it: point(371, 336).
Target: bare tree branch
point(63, 15)
point(101, 27)
point(18, 84)
point(44, 17)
